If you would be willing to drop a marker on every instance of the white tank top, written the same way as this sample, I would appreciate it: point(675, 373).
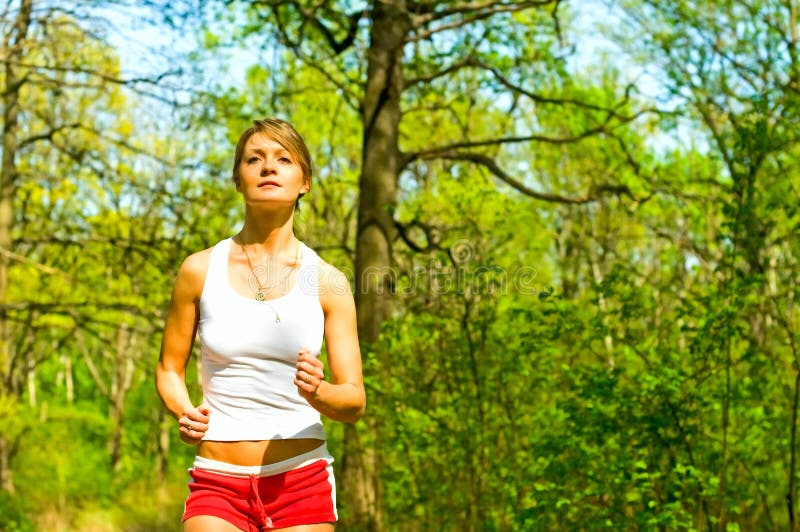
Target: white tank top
point(249, 354)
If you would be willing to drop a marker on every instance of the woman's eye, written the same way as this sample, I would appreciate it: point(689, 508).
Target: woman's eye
point(251, 160)
point(285, 160)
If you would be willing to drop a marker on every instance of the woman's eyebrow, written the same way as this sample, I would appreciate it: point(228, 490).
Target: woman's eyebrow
point(261, 151)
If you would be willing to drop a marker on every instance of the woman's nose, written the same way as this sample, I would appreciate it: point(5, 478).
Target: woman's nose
point(267, 168)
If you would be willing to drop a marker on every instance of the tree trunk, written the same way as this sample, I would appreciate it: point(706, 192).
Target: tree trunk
point(374, 281)
point(32, 388)
point(6, 479)
point(68, 383)
point(13, 43)
point(165, 426)
point(122, 380)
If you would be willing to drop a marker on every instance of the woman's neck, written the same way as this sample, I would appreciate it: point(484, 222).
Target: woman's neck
point(272, 232)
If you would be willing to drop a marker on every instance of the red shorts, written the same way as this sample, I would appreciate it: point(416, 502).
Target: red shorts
point(298, 491)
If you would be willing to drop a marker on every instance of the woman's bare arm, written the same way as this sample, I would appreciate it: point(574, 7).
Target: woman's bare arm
point(342, 399)
point(176, 348)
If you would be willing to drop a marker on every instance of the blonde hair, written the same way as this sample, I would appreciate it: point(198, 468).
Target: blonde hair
point(284, 134)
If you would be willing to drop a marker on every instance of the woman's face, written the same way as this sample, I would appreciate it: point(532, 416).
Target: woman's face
point(269, 173)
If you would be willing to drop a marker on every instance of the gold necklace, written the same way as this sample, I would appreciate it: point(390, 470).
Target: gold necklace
point(253, 277)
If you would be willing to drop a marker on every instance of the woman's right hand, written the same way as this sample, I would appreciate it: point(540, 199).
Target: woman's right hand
point(193, 424)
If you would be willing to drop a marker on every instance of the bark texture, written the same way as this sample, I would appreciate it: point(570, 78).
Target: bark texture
point(14, 43)
point(374, 282)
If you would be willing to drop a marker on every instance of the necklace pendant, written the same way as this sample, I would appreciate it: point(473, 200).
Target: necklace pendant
point(277, 318)
point(259, 296)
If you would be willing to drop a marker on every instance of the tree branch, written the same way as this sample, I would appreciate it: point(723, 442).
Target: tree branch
point(595, 194)
point(538, 98)
point(336, 46)
point(91, 72)
point(402, 231)
point(490, 7)
point(350, 97)
point(455, 67)
point(441, 151)
point(47, 135)
point(41, 267)
point(68, 307)
point(463, 22)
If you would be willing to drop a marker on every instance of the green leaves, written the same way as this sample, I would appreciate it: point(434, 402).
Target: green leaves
point(625, 363)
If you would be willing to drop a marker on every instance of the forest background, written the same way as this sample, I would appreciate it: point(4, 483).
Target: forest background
point(571, 228)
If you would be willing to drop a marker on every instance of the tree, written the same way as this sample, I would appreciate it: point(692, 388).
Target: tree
point(731, 70)
point(70, 150)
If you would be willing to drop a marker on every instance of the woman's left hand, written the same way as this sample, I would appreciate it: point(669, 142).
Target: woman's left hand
point(309, 375)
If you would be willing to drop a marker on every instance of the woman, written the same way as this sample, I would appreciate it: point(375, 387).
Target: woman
point(261, 302)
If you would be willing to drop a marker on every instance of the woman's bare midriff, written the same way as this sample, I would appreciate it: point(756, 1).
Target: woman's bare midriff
point(253, 453)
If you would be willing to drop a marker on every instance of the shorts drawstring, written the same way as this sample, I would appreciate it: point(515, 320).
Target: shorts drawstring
point(257, 502)
point(262, 512)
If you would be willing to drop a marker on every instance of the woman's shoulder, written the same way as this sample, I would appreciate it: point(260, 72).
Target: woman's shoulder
point(194, 268)
point(197, 262)
point(328, 273)
point(333, 283)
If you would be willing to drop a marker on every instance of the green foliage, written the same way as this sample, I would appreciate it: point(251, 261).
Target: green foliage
point(14, 515)
point(629, 363)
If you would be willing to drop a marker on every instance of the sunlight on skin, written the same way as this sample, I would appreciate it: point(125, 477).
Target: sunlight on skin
point(208, 523)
